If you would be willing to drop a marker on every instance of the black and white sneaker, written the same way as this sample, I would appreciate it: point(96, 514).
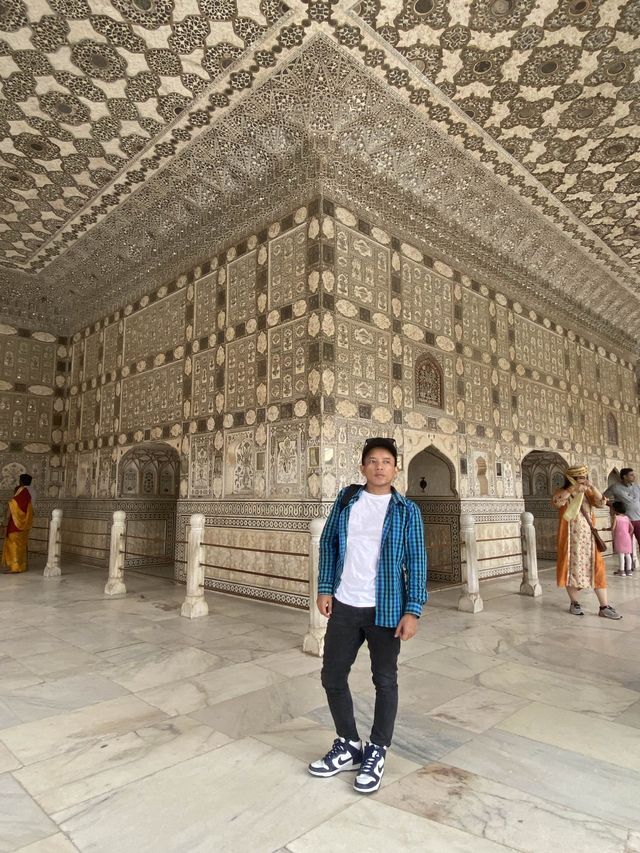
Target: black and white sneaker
point(343, 755)
point(370, 776)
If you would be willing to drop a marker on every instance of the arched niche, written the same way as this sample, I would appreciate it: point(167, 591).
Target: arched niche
point(431, 483)
point(149, 471)
point(148, 476)
point(429, 382)
point(543, 473)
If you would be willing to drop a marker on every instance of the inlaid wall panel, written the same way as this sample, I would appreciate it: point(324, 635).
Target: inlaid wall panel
point(628, 386)
point(288, 267)
point(539, 348)
point(206, 305)
point(27, 361)
point(241, 288)
point(150, 398)
point(288, 361)
point(541, 410)
point(24, 417)
point(89, 400)
point(588, 368)
point(427, 299)
point(477, 392)
point(107, 408)
point(592, 422)
point(502, 332)
point(155, 329)
point(362, 270)
point(205, 367)
point(475, 320)
point(241, 373)
point(363, 363)
point(110, 355)
point(77, 362)
point(609, 378)
point(91, 356)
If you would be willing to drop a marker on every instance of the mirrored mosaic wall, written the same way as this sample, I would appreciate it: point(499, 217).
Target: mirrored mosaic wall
point(33, 376)
point(266, 368)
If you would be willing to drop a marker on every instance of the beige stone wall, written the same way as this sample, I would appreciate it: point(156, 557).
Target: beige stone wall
point(267, 366)
point(32, 378)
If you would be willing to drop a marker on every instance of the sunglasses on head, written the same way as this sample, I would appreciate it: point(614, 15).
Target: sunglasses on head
point(380, 438)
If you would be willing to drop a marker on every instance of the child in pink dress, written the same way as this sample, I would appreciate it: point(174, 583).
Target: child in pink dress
point(622, 530)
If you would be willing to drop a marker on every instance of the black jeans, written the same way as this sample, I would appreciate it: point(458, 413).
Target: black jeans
point(348, 628)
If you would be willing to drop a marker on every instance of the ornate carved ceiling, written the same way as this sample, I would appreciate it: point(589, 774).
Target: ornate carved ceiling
point(139, 135)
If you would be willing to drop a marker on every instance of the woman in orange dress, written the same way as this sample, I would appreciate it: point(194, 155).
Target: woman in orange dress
point(579, 563)
point(20, 518)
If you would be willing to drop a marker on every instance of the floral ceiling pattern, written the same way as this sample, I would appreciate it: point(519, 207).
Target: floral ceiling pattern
point(138, 136)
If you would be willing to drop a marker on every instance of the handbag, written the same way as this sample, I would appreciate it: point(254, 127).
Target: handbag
point(600, 546)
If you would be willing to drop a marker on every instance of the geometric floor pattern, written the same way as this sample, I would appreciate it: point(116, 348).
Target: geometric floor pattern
point(125, 727)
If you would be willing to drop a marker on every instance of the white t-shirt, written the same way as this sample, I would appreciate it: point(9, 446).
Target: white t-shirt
point(358, 581)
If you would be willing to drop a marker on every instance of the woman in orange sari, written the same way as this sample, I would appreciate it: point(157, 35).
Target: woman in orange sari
point(14, 552)
point(579, 564)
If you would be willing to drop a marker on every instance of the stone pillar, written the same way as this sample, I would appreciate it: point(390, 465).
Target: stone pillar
point(313, 643)
point(115, 582)
point(530, 584)
point(194, 604)
point(52, 569)
point(470, 601)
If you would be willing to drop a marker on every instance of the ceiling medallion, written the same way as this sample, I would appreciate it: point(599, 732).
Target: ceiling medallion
point(423, 7)
point(616, 67)
point(579, 7)
point(483, 66)
point(501, 8)
point(548, 67)
point(584, 112)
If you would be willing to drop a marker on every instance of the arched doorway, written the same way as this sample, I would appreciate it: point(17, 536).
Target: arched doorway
point(543, 473)
point(148, 478)
point(431, 483)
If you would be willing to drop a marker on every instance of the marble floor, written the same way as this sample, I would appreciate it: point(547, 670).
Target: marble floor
point(127, 728)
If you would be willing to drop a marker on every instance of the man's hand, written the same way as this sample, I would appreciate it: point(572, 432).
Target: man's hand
point(325, 604)
point(407, 627)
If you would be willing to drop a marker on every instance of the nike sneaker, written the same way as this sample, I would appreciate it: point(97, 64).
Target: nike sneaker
point(343, 755)
point(370, 776)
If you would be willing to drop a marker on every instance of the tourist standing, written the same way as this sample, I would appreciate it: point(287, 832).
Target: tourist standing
point(19, 521)
point(622, 535)
point(627, 491)
point(580, 564)
point(371, 586)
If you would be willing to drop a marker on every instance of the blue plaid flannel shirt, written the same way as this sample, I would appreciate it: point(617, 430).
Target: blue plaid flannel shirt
point(401, 581)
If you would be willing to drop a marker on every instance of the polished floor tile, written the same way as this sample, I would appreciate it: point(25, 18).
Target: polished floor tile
point(125, 727)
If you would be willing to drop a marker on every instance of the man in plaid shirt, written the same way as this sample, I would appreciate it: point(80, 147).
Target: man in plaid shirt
point(371, 586)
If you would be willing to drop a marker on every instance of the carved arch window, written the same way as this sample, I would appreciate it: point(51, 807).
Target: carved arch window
point(612, 429)
point(149, 479)
point(429, 382)
point(149, 471)
point(130, 479)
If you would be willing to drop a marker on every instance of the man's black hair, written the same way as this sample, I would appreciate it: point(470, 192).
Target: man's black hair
point(625, 471)
point(619, 507)
point(25, 479)
point(385, 443)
